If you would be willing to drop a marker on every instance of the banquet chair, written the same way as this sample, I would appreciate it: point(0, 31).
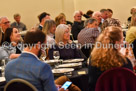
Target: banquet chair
point(19, 85)
point(116, 79)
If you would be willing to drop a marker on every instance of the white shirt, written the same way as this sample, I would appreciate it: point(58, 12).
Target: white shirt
point(50, 40)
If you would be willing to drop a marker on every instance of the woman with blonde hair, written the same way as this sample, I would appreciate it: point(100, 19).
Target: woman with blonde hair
point(49, 29)
point(66, 48)
point(106, 54)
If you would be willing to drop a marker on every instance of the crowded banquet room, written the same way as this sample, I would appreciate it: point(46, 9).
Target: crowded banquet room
point(68, 45)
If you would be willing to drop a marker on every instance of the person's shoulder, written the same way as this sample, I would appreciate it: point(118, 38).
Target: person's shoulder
point(22, 23)
point(44, 66)
point(13, 23)
point(11, 63)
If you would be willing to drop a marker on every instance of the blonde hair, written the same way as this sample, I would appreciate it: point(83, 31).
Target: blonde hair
point(47, 26)
point(107, 58)
point(58, 18)
point(133, 20)
point(60, 32)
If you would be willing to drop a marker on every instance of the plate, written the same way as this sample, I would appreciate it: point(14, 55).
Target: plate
point(73, 60)
point(62, 70)
point(69, 65)
point(52, 61)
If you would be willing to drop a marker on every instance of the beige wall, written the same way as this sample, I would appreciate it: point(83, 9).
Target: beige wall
point(121, 8)
point(30, 9)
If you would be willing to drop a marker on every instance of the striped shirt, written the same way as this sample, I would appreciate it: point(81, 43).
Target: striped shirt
point(88, 35)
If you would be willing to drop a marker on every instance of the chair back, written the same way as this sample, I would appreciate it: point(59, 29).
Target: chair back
point(117, 79)
point(86, 50)
point(19, 85)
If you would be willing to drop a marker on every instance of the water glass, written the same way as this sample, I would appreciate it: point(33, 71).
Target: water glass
point(43, 55)
point(56, 55)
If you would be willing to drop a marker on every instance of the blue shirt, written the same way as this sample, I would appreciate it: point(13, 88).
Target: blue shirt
point(30, 68)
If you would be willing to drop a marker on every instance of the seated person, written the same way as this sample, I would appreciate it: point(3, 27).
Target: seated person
point(89, 33)
point(131, 38)
point(106, 54)
point(67, 50)
point(28, 65)
point(12, 43)
point(18, 24)
point(60, 19)
point(49, 29)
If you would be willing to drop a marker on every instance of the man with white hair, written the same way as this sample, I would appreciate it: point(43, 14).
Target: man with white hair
point(98, 17)
point(77, 25)
point(4, 24)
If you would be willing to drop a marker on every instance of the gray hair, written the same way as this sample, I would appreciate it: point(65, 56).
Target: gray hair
point(3, 17)
point(97, 12)
point(90, 21)
point(76, 12)
point(60, 32)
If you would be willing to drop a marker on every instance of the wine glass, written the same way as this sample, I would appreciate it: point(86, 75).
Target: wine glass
point(56, 55)
point(43, 55)
point(3, 67)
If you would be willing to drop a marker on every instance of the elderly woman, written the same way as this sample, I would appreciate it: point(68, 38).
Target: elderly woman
point(49, 29)
point(11, 43)
point(106, 54)
point(66, 49)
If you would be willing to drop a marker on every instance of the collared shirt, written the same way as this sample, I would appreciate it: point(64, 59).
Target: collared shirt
point(31, 54)
point(88, 35)
point(20, 26)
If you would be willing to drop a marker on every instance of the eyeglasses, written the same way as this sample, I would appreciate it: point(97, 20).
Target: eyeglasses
point(6, 22)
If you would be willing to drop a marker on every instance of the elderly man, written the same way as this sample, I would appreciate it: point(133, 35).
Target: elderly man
point(17, 24)
point(104, 14)
point(28, 65)
point(78, 24)
point(4, 24)
point(42, 18)
point(88, 35)
point(97, 16)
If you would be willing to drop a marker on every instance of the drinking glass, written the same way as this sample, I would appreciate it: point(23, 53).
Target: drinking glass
point(43, 55)
point(56, 55)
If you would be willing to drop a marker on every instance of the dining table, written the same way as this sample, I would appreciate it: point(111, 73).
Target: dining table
point(78, 76)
